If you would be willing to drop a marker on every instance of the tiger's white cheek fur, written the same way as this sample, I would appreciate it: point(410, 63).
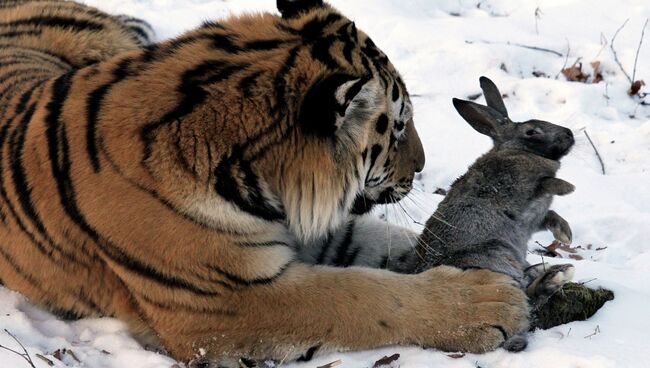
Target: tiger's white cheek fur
point(320, 202)
point(320, 206)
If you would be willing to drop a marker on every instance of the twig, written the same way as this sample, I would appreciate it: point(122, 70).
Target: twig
point(333, 364)
point(596, 332)
point(611, 46)
point(600, 159)
point(538, 16)
point(588, 281)
point(636, 58)
point(24, 355)
point(74, 356)
point(603, 42)
point(47, 361)
point(566, 59)
point(517, 45)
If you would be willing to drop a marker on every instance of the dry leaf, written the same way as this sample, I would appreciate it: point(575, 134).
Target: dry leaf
point(574, 73)
point(554, 248)
point(386, 360)
point(598, 75)
point(636, 87)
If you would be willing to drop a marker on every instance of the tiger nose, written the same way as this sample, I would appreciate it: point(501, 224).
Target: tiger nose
point(419, 163)
point(415, 146)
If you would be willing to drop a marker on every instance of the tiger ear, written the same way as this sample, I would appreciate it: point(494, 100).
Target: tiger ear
point(336, 101)
point(292, 8)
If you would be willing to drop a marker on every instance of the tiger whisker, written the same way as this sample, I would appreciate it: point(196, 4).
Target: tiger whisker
point(421, 224)
point(423, 244)
point(434, 215)
point(408, 235)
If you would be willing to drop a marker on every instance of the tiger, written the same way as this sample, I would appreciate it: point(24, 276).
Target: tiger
point(213, 191)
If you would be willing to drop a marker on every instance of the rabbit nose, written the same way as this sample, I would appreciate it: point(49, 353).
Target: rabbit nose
point(570, 138)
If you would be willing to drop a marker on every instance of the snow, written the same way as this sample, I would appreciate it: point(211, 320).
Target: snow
point(441, 48)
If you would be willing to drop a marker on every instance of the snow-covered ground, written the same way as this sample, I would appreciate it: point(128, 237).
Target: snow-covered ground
point(442, 47)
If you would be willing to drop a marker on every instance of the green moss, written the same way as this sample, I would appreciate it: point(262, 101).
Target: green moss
point(574, 302)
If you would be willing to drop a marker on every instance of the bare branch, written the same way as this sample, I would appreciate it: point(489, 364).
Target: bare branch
point(566, 59)
point(596, 332)
point(600, 159)
point(636, 58)
point(538, 16)
point(517, 45)
point(46, 360)
point(611, 46)
point(333, 364)
point(24, 355)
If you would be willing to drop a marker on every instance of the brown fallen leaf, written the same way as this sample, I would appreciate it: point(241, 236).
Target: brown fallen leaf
point(598, 75)
point(574, 73)
point(387, 360)
point(636, 87)
point(555, 246)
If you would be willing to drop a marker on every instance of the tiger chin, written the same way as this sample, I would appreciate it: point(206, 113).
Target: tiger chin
point(210, 190)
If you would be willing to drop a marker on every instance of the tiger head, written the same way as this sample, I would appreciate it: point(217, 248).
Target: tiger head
point(355, 124)
point(308, 121)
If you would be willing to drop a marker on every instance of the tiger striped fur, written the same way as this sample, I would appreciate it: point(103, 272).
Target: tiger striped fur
point(203, 189)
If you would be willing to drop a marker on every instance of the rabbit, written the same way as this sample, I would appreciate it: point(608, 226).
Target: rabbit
point(491, 212)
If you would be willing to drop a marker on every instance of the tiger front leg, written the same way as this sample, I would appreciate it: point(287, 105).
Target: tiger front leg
point(318, 309)
point(365, 241)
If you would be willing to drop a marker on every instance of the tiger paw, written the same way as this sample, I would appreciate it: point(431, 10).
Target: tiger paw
point(477, 312)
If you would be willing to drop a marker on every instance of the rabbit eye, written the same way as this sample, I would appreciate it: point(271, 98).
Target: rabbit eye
point(531, 132)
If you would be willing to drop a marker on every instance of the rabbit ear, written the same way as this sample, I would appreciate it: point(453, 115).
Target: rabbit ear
point(493, 96)
point(483, 119)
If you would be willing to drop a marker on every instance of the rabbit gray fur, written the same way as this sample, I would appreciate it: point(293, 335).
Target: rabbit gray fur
point(491, 212)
